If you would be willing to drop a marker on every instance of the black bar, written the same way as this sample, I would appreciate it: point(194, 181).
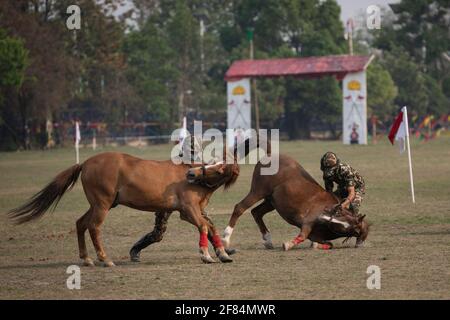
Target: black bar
point(218, 309)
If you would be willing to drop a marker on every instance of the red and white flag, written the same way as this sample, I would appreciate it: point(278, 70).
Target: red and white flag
point(398, 131)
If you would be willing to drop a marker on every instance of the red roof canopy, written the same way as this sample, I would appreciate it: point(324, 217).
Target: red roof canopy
point(338, 66)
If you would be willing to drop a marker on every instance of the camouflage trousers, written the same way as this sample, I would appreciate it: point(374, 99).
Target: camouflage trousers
point(356, 203)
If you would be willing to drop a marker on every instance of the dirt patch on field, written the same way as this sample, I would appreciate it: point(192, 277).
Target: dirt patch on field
point(413, 260)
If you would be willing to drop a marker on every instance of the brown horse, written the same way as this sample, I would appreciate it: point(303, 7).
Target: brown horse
point(302, 202)
point(197, 175)
point(110, 179)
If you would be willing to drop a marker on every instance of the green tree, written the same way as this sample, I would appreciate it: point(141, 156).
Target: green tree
point(196, 62)
point(101, 90)
point(316, 100)
point(409, 80)
point(291, 28)
point(422, 30)
point(437, 102)
point(47, 80)
point(151, 71)
point(184, 39)
point(13, 63)
point(416, 45)
point(382, 91)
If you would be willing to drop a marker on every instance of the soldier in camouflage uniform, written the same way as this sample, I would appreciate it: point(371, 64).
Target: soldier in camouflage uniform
point(350, 184)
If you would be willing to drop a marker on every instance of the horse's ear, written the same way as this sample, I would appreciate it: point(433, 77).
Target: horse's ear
point(361, 218)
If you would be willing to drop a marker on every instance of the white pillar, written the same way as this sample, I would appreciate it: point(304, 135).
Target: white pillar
point(354, 111)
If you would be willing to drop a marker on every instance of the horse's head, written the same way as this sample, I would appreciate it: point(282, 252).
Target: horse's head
point(214, 175)
point(345, 223)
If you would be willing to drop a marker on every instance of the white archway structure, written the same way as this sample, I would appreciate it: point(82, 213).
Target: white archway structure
point(351, 70)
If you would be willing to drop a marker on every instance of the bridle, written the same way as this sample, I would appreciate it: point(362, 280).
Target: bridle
point(206, 184)
point(329, 226)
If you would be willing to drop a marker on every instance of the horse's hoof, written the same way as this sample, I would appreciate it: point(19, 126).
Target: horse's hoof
point(223, 257)
point(135, 259)
point(230, 251)
point(207, 259)
point(88, 262)
point(135, 256)
point(108, 264)
point(268, 245)
point(359, 244)
point(287, 246)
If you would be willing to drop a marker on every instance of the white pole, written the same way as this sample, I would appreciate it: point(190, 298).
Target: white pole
point(77, 141)
point(94, 140)
point(77, 152)
point(183, 134)
point(405, 120)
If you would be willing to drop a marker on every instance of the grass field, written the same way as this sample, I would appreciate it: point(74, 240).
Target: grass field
point(410, 243)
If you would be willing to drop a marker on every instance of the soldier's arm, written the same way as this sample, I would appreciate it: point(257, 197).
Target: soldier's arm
point(349, 178)
point(328, 184)
point(350, 197)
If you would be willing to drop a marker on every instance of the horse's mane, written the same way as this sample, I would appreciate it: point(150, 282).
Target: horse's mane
point(234, 174)
point(232, 169)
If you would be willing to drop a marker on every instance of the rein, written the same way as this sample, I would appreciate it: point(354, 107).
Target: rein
point(334, 231)
point(204, 183)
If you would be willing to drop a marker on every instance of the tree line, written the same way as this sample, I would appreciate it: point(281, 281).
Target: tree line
point(157, 60)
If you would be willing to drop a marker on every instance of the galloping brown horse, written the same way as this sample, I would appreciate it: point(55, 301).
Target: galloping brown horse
point(302, 202)
point(114, 178)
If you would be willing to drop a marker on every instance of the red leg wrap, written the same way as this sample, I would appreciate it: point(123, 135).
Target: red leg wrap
point(217, 242)
point(298, 240)
point(325, 246)
point(203, 240)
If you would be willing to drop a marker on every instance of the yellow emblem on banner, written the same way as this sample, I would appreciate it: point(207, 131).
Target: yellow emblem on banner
point(239, 91)
point(354, 85)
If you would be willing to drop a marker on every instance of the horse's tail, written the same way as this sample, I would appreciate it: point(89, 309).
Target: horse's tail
point(47, 197)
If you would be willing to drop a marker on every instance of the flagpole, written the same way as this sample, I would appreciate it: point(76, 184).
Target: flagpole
point(405, 120)
point(77, 141)
point(77, 152)
point(94, 139)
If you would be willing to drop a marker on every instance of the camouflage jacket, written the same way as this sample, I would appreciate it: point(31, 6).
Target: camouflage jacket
point(344, 176)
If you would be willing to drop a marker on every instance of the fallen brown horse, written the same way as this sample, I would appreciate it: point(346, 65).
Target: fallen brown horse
point(110, 179)
point(302, 202)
